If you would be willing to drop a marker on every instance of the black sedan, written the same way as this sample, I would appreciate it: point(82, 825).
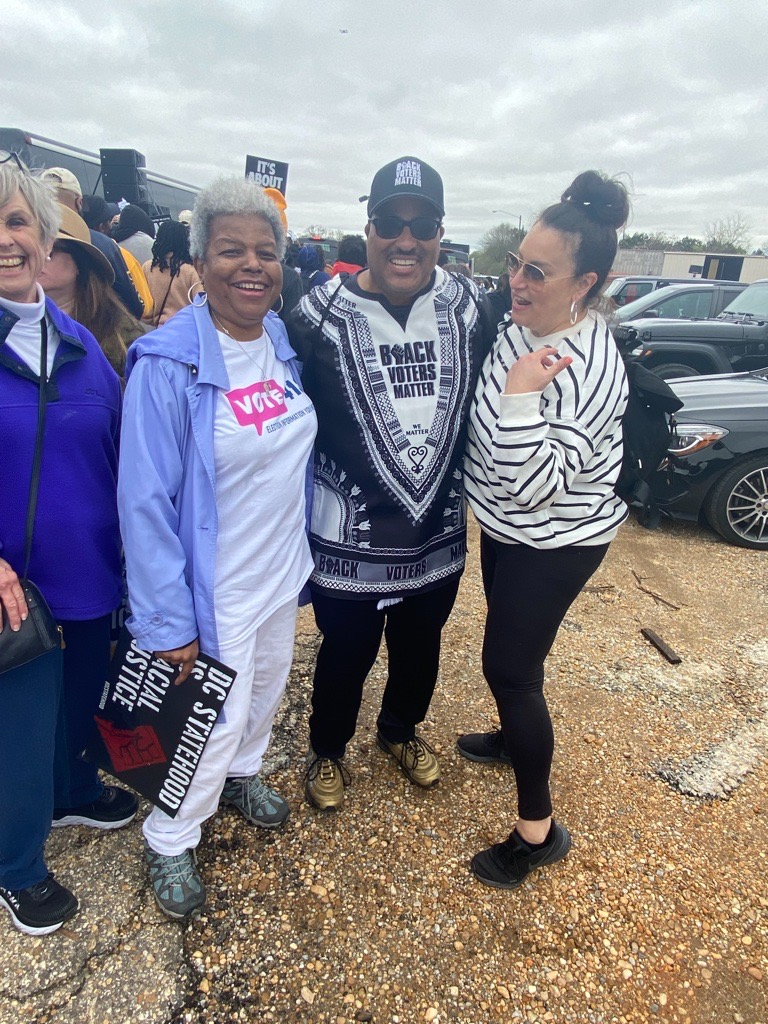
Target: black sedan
point(718, 465)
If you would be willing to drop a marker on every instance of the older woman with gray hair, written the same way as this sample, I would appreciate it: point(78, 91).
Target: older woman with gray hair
point(59, 401)
point(214, 489)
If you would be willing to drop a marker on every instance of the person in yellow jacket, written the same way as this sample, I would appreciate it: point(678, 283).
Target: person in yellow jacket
point(139, 279)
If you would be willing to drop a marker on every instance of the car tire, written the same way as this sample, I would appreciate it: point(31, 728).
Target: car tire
point(669, 371)
point(737, 506)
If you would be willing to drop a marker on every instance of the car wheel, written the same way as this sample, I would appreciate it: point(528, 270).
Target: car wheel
point(668, 371)
point(737, 506)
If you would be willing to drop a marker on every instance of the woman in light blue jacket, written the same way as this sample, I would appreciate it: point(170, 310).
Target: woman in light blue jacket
point(213, 494)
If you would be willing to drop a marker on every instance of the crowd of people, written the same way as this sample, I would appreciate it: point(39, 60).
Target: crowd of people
point(289, 429)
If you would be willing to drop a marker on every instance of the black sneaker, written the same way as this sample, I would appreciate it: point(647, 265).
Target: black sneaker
point(506, 865)
point(483, 746)
point(40, 909)
point(113, 809)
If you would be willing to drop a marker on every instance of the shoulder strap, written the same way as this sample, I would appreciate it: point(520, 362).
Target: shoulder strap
point(308, 362)
point(35, 480)
point(327, 309)
point(156, 317)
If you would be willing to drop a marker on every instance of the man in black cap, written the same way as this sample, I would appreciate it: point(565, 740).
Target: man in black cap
point(391, 359)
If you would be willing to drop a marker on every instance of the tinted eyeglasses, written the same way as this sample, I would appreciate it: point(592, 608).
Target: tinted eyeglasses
point(531, 273)
point(423, 229)
point(6, 157)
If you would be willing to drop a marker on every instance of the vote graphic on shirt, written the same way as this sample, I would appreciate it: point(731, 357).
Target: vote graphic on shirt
point(257, 403)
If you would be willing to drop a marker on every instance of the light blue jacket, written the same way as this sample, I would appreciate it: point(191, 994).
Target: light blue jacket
point(167, 479)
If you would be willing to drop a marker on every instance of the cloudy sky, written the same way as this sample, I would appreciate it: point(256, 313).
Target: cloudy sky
point(508, 99)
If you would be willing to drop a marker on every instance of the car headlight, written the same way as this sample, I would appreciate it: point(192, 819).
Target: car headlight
point(694, 437)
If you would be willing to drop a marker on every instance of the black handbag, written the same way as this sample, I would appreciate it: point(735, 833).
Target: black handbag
point(39, 632)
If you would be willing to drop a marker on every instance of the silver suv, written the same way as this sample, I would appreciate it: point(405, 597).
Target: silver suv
point(626, 289)
point(696, 300)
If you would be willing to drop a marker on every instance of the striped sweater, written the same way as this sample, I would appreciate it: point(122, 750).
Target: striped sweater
point(540, 468)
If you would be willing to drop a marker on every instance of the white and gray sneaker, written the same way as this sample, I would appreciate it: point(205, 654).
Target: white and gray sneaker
point(176, 882)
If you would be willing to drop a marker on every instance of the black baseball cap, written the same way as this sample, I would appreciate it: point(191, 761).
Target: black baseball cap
point(407, 176)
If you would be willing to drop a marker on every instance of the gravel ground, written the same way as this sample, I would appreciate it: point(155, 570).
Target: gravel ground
point(659, 913)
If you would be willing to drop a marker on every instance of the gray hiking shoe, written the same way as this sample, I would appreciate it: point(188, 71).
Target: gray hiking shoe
point(176, 882)
point(258, 804)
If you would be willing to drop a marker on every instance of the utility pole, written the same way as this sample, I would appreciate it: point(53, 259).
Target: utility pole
point(518, 215)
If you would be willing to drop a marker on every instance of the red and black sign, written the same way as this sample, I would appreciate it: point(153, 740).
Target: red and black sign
point(151, 733)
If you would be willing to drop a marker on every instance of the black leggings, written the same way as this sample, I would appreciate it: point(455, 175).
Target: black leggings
point(352, 632)
point(528, 590)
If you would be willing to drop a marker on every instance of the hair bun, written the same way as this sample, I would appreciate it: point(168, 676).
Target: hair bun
point(604, 200)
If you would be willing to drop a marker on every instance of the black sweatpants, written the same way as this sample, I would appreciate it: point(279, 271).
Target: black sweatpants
point(352, 632)
point(528, 590)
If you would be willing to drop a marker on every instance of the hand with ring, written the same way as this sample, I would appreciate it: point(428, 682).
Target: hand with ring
point(535, 370)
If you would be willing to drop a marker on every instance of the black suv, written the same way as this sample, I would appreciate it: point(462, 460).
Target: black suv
point(734, 341)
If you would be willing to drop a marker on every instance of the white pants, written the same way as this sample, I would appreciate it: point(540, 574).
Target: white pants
point(236, 746)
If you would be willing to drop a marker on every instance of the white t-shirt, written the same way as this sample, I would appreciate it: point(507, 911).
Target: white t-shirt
point(263, 435)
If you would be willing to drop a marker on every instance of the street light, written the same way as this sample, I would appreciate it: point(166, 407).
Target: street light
point(518, 215)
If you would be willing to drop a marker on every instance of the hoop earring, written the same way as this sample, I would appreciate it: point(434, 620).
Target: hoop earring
point(197, 296)
point(574, 313)
point(280, 307)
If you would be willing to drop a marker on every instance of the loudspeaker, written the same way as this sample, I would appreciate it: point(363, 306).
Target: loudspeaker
point(123, 175)
point(131, 157)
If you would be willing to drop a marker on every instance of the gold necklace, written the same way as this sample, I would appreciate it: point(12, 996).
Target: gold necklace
point(244, 350)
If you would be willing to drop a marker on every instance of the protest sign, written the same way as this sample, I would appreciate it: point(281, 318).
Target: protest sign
point(267, 173)
point(151, 733)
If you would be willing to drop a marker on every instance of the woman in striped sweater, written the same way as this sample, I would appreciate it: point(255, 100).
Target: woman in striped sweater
point(543, 455)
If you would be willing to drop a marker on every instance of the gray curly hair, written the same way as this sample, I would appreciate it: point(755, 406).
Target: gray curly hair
point(40, 197)
point(227, 197)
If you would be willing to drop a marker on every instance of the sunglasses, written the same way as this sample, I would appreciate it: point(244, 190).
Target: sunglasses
point(423, 229)
point(531, 273)
point(6, 157)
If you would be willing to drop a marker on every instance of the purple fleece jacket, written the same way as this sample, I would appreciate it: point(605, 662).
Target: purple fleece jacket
point(76, 544)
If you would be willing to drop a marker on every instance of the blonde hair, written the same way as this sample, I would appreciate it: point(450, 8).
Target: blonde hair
point(40, 196)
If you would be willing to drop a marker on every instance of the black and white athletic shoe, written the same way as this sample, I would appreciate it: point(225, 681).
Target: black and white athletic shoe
point(40, 909)
point(115, 808)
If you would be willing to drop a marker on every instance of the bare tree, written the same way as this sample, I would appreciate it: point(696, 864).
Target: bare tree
point(730, 234)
